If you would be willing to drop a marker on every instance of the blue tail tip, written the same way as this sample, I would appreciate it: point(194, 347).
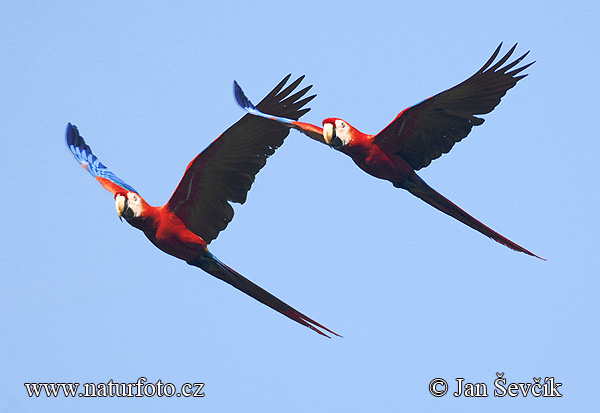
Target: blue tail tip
point(71, 130)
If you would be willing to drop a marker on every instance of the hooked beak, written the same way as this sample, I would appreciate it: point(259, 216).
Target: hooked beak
point(328, 132)
point(121, 205)
point(330, 136)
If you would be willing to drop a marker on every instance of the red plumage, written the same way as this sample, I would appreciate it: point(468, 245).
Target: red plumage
point(200, 206)
point(420, 134)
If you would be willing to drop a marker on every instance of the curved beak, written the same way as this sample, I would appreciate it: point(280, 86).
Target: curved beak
point(328, 132)
point(121, 205)
point(330, 136)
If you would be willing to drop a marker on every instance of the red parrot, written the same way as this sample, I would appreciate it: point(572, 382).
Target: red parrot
point(418, 134)
point(199, 208)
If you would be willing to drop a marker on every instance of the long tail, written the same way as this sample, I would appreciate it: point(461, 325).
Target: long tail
point(216, 268)
point(419, 188)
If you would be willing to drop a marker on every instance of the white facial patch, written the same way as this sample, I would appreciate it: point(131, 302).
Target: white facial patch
point(134, 204)
point(342, 131)
point(130, 207)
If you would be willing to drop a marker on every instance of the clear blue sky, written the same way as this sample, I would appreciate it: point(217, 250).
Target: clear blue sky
point(416, 295)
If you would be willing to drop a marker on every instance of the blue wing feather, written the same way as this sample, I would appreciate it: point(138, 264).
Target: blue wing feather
point(245, 104)
point(83, 154)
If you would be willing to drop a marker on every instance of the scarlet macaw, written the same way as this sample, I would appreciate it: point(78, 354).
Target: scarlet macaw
point(418, 134)
point(199, 209)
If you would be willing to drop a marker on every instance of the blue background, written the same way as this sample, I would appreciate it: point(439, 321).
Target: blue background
point(416, 295)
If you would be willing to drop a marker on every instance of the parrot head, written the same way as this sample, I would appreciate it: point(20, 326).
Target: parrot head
point(336, 132)
point(129, 205)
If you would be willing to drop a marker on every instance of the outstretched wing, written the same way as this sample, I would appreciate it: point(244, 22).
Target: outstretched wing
point(425, 131)
point(225, 170)
point(83, 154)
point(312, 131)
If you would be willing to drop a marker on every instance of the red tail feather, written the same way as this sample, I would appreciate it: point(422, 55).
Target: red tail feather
point(416, 186)
point(216, 268)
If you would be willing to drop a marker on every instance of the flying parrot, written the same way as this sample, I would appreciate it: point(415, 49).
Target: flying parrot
point(418, 134)
point(199, 208)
